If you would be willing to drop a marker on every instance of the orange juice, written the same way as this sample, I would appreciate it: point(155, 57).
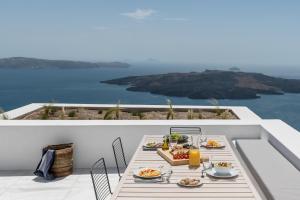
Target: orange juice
point(194, 158)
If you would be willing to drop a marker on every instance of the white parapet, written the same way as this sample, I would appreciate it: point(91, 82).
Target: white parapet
point(22, 140)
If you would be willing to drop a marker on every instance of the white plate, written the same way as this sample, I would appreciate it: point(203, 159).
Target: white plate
point(232, 174)
point(190, 186)
point(222, 145)
point(136, 173)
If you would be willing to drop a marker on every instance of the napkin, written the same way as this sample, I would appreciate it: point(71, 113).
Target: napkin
point(154, 148)
point(142, 180)
point(145, 148)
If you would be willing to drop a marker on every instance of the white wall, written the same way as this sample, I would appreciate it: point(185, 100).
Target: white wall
point(284, 138)
point(21, 141)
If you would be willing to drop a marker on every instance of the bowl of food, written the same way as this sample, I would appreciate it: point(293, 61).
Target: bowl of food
point(179, 138)
point(222, 167)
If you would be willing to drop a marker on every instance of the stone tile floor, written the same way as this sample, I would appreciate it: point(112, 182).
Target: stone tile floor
point(23, 185)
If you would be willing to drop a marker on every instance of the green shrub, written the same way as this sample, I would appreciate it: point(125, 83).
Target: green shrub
point(44, 116)
point(113, 113)
point(72, 113)
point(108, 114)
point(53, 110)
point(135, 113)
point(141, 115)
point(50, 110)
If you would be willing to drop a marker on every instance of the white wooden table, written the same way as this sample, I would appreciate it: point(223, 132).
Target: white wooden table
point(240, 188)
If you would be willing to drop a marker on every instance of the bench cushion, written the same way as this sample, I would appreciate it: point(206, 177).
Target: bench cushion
point(274, 172)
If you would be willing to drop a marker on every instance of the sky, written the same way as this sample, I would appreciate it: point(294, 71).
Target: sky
point(222, 32)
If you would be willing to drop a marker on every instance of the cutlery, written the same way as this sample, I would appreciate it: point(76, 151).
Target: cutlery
point(204, 168)
point(169, 176)
point(137, 180)
point(202, 175)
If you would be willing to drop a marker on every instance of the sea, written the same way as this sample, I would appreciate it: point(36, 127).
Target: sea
point(19, 87)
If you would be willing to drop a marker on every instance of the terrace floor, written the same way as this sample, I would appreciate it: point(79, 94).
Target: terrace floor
point(23, 185)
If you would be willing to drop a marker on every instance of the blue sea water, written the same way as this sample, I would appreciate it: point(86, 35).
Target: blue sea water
point(20, 87)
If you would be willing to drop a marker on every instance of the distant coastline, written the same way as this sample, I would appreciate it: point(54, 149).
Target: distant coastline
point(210, 84)
point(22, 87)
point(35, 63)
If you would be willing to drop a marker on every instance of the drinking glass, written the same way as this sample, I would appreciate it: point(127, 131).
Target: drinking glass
point(202, 138)
point(173, 142)
point(165, 173)
point(206, 162)
point(194, 153)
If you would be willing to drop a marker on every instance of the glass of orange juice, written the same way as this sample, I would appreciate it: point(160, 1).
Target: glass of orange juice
point(194, 154)
point(194, 158)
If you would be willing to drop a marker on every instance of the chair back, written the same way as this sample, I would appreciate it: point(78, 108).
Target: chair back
point(100, 180)
point(186, 130)
point(119, 155)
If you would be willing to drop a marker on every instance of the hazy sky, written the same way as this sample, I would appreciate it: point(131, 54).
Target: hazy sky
point(196, 31)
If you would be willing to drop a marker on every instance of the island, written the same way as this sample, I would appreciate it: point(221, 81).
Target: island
point(35, 63)
point(210, 84)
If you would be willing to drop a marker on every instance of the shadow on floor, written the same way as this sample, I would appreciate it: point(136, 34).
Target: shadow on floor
point(42, 180)
point(14, 173)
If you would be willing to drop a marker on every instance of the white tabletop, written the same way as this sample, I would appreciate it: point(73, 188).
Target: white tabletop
point(240, 188)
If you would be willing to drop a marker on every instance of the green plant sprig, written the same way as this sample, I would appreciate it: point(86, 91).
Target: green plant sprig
point(171, 113)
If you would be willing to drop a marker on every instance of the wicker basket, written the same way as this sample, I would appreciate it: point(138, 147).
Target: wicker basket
point(63, 162)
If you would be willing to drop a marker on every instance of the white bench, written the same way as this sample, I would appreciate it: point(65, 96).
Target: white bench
point(275, 174)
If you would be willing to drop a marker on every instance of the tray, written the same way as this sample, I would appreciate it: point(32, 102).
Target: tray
point(169, 158)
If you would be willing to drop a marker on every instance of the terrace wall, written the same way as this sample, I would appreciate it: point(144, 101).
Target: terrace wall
point(22, 141)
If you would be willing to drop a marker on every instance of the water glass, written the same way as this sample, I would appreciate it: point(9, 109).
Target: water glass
point(173, 142)
point(165, 173)
point(206, 163)
point(202, 138)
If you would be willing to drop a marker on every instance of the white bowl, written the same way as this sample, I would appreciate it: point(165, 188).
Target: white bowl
point(222, 170)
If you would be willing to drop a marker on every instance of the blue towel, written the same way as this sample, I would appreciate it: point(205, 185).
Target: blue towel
point(44, 166)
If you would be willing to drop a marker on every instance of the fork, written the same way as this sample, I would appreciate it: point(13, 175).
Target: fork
point(203, 170)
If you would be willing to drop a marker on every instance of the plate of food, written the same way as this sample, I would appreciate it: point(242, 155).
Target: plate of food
point(213, 144)
point(147, 173)
point(189, 182)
